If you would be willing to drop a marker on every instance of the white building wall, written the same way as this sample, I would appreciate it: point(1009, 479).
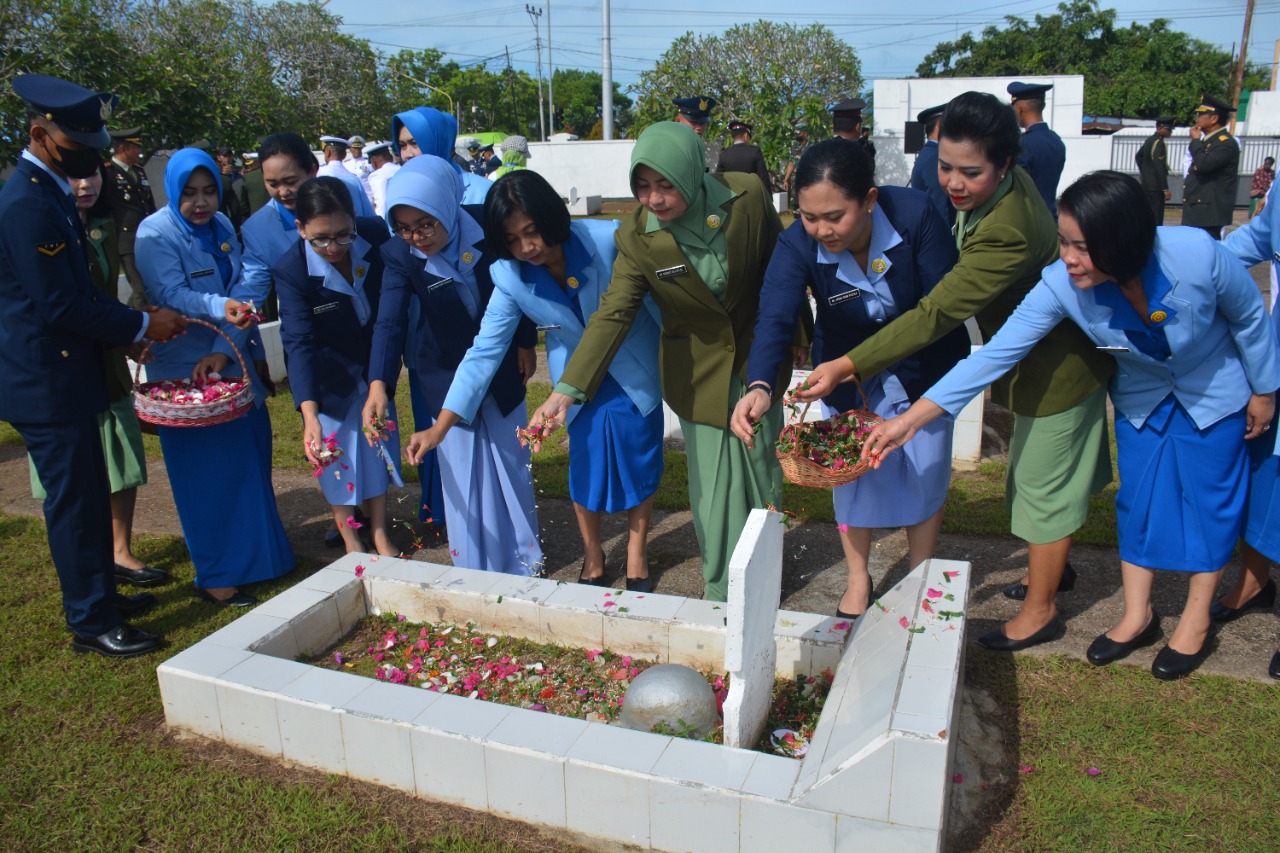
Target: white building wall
point(595, 168)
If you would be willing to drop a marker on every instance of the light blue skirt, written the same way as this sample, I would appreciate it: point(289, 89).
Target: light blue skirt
point(615, 453)
point(362, 471)
point(911, 484)
point(1182, 490)
point(488, 493)
point(221, 481)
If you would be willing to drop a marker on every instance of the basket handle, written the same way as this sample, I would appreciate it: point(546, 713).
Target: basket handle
point(866, 402)
point(244, 368)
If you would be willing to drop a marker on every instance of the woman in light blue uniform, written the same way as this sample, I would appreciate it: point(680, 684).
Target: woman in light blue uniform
point(442, 262)
point(868, 254)
point(1197, 366)
point(1260, 542)
point(426, 130)
point(220, 475)
point(554, 272)
point(329, 285)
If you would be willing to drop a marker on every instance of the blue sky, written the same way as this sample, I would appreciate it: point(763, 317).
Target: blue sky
point(890, 38)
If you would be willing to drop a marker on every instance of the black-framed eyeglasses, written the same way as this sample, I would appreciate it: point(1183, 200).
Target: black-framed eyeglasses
point(326, 242)
point(420, 232)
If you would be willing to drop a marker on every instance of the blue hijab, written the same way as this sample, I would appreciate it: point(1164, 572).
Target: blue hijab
point(434, 131)
point(214, 234)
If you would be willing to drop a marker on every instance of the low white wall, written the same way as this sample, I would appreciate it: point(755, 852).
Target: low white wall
point(595, 168)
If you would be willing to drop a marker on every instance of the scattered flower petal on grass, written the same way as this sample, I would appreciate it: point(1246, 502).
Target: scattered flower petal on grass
point(1026, 768)
point(1093, 771)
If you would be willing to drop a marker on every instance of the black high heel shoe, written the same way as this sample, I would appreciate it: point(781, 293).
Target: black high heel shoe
point(840, 614)
point(1018, 590)
point(1264, 600)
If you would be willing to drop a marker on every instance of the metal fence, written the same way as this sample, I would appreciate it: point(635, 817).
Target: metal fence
point(1253, 150)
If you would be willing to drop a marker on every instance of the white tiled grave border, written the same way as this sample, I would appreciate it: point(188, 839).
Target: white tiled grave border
point(876, 776)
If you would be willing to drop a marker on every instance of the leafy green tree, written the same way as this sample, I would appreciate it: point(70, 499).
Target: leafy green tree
point(770, 75)
point(580, 102)
point(502, 101)
point(1143, 70)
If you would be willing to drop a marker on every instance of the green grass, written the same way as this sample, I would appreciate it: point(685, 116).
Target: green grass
point(88, 765)
point(1188, 766)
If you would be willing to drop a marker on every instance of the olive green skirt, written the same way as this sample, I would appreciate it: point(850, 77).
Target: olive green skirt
point(121, 444)
point(1056, 463)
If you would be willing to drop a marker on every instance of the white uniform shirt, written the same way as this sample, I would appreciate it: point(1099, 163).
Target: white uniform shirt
point(378, 184)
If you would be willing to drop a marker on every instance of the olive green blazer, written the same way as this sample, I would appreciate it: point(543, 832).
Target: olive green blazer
point(1000, 262)
point(704, 342)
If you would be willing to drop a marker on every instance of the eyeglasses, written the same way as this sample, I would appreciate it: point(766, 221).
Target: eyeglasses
point(326, 242)
point(420, 232)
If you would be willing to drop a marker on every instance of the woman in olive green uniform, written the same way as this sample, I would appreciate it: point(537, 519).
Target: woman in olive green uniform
point(121, 434)
point(698, 245)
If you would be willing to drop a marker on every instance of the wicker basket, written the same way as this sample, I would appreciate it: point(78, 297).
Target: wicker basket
point(165, 413)
point(803, 471)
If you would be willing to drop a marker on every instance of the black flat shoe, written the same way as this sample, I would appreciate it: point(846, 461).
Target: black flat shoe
point(996, 640)
point(598, 580)
point(1170, 664)
point(1264, 600)
point(145, 576)
point(124, 641)
point(1018, 590)
point(133, 605)
point(1274, 669)
point(644, 584)
point(840, 614)
point(1105, 650)
point(236, 599)
point(333, 539)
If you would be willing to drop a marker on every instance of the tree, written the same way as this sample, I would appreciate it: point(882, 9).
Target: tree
point(1143, 70)
point(580, 101)
point(771, 76)
point(505, 101)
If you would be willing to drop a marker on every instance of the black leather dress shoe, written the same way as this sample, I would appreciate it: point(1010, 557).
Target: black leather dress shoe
point(125, 641)
point(1274, 669)
point(644, 584)
point(1170, 664)
point(133, 605)
point(1105, 650)
point(236, 599)
point(145, 576)
point(1018, 590)
point(996, 640)
point(1264, 600)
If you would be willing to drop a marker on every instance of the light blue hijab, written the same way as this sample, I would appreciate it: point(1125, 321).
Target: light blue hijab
point(433, 130)
point(214, 234)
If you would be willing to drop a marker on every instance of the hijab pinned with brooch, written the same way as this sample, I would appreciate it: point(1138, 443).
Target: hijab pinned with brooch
point(430, 184)
point(215, 236)
point(674, 151)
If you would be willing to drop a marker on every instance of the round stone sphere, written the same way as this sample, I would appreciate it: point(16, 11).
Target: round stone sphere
point(677, 696)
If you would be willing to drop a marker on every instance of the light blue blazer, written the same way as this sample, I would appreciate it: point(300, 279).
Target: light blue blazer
point(635, 367)
point(178, 273)
point(1221, 344)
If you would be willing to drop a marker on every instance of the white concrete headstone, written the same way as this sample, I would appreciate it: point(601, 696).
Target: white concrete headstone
point(755, 586)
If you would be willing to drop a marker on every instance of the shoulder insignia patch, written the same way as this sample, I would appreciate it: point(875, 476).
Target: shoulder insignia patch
point(1223, 137)
point(51, 249)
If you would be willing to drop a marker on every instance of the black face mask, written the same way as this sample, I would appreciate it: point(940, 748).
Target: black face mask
point(77, 164)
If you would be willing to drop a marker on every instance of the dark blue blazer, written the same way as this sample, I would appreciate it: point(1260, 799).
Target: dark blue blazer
point(326, 348)
point(927, 253)
point(924, 177)
point(445, 330)
point(1043, 156)
point(54, 324)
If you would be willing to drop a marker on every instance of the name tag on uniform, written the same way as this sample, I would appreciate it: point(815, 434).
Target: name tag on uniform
point(671, 272)
point(320, 309)
point(844, 297)
point(201, 273)
point(439, 284)
point(545, 328)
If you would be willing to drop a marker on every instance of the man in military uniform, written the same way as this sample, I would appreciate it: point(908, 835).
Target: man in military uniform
point(742, 156)
point(1209, 194)
point(696, 112)
point(1043, 153)
point(924, 174)
point(129, 199)
point(1153, 167)
point(797, 151)
point(846, 123)
point(52, 341)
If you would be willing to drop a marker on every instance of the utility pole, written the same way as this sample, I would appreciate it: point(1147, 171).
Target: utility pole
point(534, 15)
point(606, 77)
point(1244, 48)
point(551, 78)
point(511, 85)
